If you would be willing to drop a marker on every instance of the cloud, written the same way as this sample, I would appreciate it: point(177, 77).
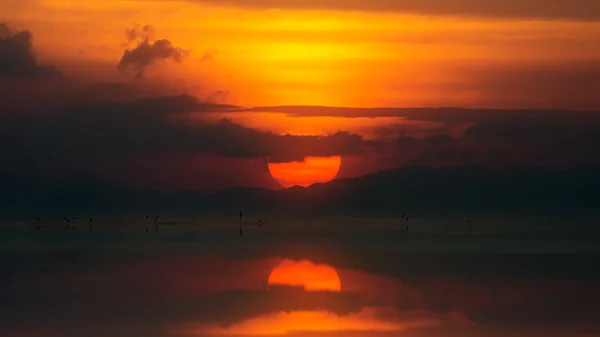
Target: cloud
point(513, 138)
point(176, 144)
point(153, 130)
point(559, 9)
point(527, 129)
point(551, 142)
point(17, 58)
point(148, 53)
point(439, 140)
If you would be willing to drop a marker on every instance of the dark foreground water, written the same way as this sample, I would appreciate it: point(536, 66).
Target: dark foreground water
point(327, 278)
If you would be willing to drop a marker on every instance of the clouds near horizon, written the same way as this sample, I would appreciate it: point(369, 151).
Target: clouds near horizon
point(160, 130)
point(112, 139)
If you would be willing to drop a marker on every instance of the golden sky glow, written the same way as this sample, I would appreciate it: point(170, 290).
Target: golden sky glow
point(345, 53)
point(322, 321)
point(287, 56)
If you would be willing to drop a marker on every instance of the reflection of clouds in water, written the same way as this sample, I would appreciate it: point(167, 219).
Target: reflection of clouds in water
point(369, 319)
point(113, 287)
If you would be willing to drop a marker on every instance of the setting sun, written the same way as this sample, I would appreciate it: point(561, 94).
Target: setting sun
point(311, 171)
point(313, 277)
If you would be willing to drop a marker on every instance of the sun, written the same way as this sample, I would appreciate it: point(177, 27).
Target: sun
point(311, 171)
point(313, 277)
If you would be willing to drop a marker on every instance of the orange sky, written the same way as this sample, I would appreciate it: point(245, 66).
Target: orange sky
point(332, 53)
point(291, 56)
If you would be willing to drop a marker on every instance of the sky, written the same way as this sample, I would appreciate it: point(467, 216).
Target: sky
point(200, 95)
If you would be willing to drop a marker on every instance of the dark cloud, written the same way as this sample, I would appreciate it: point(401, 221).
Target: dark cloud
point(147, 53)
point(551, 142)
point(560, 9)
point(439, 140)
point(17, 58)
point(166, 135)
point(514, 138)
point(527, 129)
point(101, 134)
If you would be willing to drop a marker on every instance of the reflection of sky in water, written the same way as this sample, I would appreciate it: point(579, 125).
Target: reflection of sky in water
point(207, 281)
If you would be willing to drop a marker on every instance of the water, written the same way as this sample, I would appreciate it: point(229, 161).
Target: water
point(200, 278)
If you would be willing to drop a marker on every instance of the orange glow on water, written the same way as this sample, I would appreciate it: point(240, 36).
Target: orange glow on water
point(313, 277)
point(313, 170)
point(367, 321)
point(313, 321)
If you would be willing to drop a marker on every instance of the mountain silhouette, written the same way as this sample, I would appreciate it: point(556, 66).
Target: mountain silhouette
point(419, 191)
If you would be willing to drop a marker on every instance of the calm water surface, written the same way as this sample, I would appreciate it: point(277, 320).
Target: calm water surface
point(320, 278)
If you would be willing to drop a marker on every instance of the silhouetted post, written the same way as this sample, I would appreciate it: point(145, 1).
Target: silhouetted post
point(90, 224)
point(259, 223)
point(401, 226)
point(156, 223)
point(241, 215)
point(469, 224)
